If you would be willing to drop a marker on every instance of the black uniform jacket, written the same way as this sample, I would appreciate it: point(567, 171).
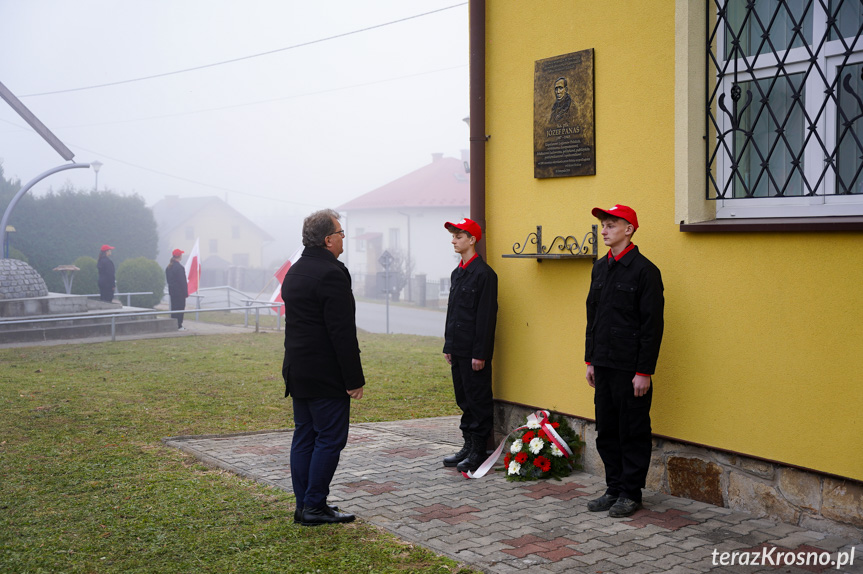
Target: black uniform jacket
point(178, 287)
point(105, 268)
point(322, 355)
point(624, 314)
point(471, 314)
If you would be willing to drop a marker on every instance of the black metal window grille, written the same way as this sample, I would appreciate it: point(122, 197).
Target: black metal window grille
point(784, 102)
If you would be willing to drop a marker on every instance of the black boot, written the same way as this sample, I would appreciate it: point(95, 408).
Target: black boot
point(454, 459)
point(475, 457)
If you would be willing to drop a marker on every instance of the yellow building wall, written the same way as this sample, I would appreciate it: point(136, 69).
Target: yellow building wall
point(763, 337)
point(217, 223)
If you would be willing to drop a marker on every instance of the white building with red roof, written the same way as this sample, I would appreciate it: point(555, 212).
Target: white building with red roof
point(406, 218)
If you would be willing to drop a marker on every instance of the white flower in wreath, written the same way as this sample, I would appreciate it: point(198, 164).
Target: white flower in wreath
point(516, 446)
point(514, 468)
point(536, 445)
point(533, 425)
point(555, 451)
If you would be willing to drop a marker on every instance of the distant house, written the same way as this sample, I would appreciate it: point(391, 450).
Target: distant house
point(405, 218)
point(231, 245)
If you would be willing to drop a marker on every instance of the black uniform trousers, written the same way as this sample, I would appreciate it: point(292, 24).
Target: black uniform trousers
point(473, 395)
point(106, 293)
point(178, 303)
point(623, 436)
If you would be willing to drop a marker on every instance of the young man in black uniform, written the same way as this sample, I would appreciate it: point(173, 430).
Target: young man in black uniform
point(471, 317)
point(624, 331)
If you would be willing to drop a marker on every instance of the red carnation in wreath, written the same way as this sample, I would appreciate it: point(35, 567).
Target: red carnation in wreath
point(542, 463)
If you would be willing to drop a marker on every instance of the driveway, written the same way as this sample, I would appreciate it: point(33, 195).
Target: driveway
point(372, 317)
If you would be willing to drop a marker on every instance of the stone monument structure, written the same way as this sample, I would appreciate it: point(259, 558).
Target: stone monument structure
point(18, 280)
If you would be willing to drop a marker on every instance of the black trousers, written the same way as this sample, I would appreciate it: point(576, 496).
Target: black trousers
point(320, 433)
point(106, 293)
point(473, 396)
point(178, 303)
point(623, 437)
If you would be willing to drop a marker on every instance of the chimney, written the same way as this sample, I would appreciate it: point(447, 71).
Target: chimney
point(437, 157)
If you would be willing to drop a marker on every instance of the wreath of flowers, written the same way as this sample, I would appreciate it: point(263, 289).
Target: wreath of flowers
point(532, 454)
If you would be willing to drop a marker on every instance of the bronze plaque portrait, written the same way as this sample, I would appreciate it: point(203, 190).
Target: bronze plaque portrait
point(563, 130)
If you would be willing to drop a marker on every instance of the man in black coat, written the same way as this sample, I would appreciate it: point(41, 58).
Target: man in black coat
point(471, 317)
point(107, 279)
point(624, 330)
point(322, 368)
point(178, 286)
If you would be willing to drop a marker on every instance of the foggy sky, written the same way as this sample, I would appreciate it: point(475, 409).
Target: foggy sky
point(276, 135)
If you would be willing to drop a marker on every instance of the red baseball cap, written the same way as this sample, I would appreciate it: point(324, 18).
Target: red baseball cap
point(621, 211)
point(177, 252)
point(106, 247)
point(468, 225)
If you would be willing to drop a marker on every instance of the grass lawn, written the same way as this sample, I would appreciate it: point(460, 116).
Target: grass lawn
point(87, 486)
point(266, 321)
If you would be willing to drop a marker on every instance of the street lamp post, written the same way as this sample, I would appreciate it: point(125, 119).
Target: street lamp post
point(408, 264)
point(24, 190)
point(51, 139)
point(8, 241)
point(96, 165)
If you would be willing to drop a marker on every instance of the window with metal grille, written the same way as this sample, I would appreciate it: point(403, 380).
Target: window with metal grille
point(784, 107)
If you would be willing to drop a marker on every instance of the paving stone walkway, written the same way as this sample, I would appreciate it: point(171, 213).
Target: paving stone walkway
point(391, 475)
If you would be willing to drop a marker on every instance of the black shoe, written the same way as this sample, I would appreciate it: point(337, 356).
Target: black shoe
point(602, 503)
point(475, 457)
point(298, 513)
point(456, 458)
point(623, 507)
point(324, 515)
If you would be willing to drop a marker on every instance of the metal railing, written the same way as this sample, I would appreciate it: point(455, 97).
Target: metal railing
point(274, 307)
point(228, 291)
point(118, 295)
point(115, 316)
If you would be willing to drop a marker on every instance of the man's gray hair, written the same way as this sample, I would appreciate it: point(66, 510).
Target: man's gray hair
point(317, 226)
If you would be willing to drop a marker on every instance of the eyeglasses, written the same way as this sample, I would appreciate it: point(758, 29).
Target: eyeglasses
point(340, 232)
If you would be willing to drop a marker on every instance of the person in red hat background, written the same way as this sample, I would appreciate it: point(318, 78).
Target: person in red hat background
point(107, 279)
point(471, 317)
point(624, 330)
point(178, 288)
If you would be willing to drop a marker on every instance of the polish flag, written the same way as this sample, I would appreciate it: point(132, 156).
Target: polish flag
point(193, 268)
point(280, 277)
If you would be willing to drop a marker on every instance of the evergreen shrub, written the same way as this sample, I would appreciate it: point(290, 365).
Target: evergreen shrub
point(86, 281)
point(138, 275)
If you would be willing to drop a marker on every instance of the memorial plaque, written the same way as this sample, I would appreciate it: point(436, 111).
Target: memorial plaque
point(563, 130)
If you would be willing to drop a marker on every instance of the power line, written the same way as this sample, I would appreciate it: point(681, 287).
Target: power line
point(295, 46)
point(187, 180)
point(255, 103)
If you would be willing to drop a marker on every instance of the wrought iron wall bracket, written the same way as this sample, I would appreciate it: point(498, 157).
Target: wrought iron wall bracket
point(567, 247)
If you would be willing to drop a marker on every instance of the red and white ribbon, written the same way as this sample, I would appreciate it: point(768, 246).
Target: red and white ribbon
point(540, 418)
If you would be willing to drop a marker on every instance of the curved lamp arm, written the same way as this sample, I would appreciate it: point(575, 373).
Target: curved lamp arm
point(24, 190)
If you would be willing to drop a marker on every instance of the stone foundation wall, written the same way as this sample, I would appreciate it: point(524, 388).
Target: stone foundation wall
point(803, 498)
